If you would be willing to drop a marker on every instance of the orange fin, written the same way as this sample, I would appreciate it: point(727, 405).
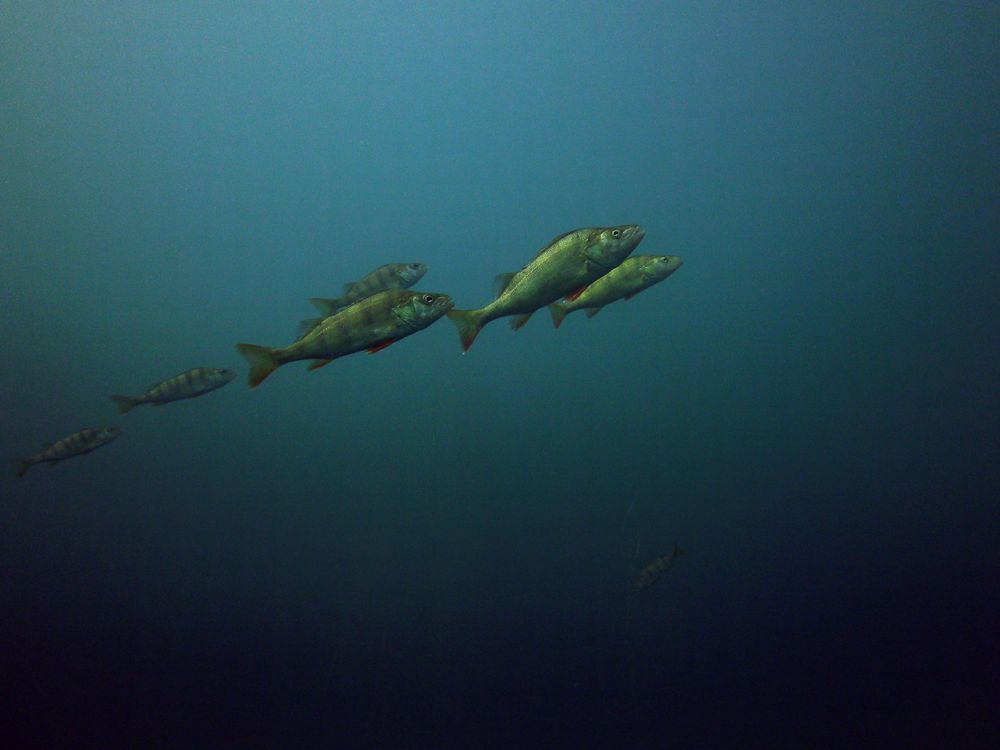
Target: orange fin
point(318, 363)
point(379, 347)
point(573, 295)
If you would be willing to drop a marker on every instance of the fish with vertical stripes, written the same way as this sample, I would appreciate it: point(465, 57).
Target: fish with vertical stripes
point(655, 568)
point(389, 276)
point(188, 384)
point(623, 282)
point(563, 268)
point(373, 324)
point(78, 444)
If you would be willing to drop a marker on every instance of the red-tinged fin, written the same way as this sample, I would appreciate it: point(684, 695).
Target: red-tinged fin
point(468, 323)
point(573, 295)
point(518, 323)
point(592, 311)
point(318, 363)
point(558, 313)
point(124, 403)
point(21, 466)
point(262, 362)
point(379, 347)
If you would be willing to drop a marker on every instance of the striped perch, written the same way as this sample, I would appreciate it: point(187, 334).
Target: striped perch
point(189, 384)
point(78, 444)
point(373, 324)
point(389, 276)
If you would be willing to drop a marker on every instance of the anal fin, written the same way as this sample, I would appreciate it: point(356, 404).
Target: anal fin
point(592, 311)
point(518, 323)
point(318, 363)
point(379, 347)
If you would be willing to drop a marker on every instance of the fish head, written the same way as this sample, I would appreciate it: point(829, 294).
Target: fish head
point(420, 309)
point(660, 266)
point(609, 246)
point(410, 273)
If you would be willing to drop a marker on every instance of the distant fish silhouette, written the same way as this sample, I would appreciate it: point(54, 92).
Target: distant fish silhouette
point(655, 568)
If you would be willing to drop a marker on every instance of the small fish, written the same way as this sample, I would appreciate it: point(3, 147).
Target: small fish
point(389, 276)
point(78, 444)
point(189, 384)
point(563, 268)
point(655, 568)
point(373, 324)
point(623, 282)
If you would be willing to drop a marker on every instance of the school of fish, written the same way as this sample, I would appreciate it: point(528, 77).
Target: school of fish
point(583, 269)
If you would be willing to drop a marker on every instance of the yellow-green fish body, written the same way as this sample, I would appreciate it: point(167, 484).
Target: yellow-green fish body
point(372, 323)
point(563, 267)
point(188, 384)
point(389, 276)
point(78, 444)
point(655, 568)
point(622, 282)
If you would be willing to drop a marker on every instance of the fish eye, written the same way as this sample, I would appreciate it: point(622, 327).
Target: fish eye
point(615, 232)
point(428, 298)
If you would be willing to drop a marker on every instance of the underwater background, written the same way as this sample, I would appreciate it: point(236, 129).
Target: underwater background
point(425, 549)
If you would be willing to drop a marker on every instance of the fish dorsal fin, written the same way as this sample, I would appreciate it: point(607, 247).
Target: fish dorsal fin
point(379, 347)
point(502, 281)
point(552, 243)
point(592, 311)
point(307, 326)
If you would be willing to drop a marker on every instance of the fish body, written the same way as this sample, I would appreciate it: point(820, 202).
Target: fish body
point(188, 384)
point(389, 276)
point(655, 568)
point(78, 444)
point(563, 267)
point(373, 324)
point(622, 282)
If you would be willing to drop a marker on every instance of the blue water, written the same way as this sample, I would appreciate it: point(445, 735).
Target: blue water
point(425, 549)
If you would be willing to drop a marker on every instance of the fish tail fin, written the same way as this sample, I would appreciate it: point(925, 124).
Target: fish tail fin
point(558, 313)
point(262, 362)
point(21, 466)
point(326, 306)
point(518, 323)
point(469, 323)
point(125, 403)
point(592, 311)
